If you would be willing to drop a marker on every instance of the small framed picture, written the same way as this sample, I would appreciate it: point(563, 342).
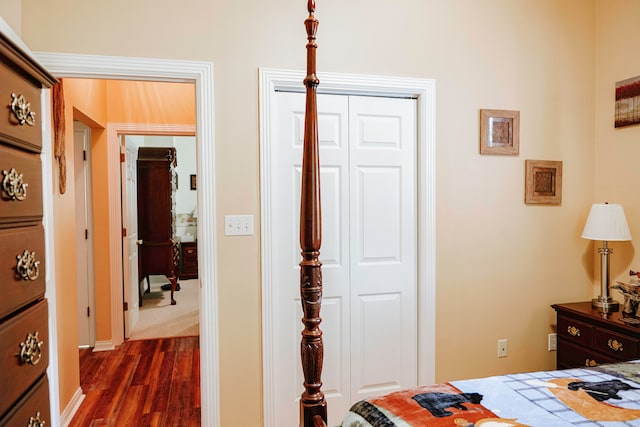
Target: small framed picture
point(500, 132)
point(193, 181)
point(543, 182)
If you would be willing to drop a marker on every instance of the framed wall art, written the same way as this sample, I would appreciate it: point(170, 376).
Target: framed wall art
point(627, 102)
point(500, 132)
point(543, 182)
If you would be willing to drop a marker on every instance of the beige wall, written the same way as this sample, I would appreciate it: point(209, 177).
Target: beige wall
point(617, 151)
point(11, 12)
point(500, 263)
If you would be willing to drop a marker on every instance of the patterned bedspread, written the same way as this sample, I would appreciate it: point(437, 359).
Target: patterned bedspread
point(607, 395)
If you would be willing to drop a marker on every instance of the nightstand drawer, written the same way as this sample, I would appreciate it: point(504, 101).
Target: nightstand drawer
point(571, 356)
point(21, 120)
point(614, 344)
point(575, 331)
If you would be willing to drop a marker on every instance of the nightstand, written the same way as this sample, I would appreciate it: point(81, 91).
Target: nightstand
point(587, 337)
point(189, 264)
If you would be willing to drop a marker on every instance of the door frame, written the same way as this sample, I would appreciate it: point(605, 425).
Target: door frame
point(200, 73)
point(424, 90)
point(115, 133)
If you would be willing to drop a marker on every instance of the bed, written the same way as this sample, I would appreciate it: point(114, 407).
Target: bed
point(607, 395)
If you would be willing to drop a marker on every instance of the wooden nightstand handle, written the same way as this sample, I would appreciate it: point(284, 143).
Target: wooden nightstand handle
point(615, 345)
point(590, 363)
point(573, 331)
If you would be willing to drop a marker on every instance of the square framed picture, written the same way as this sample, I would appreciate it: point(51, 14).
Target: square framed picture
point(500, 132)
point(543, 182)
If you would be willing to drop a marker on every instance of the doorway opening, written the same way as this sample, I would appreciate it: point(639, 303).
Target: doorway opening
point(201, 74)
point(160, 215)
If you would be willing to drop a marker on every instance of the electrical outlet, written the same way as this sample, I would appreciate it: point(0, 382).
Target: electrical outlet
point(238, 225)
point(553, 342)
point(502, 348)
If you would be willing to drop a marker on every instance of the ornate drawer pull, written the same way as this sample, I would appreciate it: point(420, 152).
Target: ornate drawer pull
point(27, 267)
point(21, 109)
point(573, 331)
point(36, 421)
point(590, 362)
point(31, 349)
point(12, 185)
point(615, 345)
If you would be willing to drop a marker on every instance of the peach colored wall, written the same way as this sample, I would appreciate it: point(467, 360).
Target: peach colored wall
point(500, 263)
point(152, 103)
point(64, 235)
point(95, 103)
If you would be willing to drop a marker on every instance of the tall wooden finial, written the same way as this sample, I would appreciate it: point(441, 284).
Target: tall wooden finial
point(313, 405)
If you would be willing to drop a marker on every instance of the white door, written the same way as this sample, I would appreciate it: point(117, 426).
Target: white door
point(84, 234)
point(129, 184)
point(368, 184)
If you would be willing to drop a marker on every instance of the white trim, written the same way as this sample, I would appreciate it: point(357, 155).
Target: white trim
point(109, 67)
point(67, 415)
point(50, 266)
point(106, 345)
point(423, 90)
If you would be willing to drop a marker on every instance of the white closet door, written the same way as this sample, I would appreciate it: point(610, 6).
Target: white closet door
point(382, 135)
point(363, 186)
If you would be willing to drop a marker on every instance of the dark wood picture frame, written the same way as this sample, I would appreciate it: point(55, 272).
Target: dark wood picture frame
point(543, 182)
point(192, 180)
point(500, 132)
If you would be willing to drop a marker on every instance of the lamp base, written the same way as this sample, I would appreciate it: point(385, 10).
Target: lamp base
point(605, 304)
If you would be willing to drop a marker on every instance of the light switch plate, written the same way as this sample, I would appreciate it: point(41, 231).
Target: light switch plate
point(238, 225)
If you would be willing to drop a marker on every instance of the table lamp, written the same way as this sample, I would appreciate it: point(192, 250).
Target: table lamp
point(606, 222)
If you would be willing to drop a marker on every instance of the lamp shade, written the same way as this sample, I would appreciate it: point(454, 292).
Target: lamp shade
point(606, 222)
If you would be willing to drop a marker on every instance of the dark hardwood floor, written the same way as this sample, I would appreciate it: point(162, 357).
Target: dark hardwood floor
point(141, 383)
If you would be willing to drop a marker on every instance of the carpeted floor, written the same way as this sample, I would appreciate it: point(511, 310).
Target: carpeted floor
point(160, 319)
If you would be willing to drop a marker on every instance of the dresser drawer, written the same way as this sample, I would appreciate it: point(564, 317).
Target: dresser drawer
point(21, 279)
point(575, 331)
point(19, 204)
point(34, 405)
point(615, 344)
point(20, 128)
point(573, 356)
point(22, 359)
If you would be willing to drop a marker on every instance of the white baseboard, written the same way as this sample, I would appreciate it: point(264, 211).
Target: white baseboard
point(104, 346)
point(67, 415)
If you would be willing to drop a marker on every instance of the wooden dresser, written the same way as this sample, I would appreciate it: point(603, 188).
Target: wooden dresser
point(24, 341)
point(159, 250)
point(587, 337)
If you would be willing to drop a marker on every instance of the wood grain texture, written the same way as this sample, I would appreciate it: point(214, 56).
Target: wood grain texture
point(141, 383)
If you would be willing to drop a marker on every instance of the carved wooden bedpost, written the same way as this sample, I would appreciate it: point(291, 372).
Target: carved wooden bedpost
point(312, 401)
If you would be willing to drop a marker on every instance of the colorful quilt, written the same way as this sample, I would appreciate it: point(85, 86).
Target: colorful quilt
point(603, 396)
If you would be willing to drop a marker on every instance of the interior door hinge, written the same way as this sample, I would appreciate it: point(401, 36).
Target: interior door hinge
point(124, 232)
point(86, 234)
point(84, 155)
point(125, 306)
point(122, 158)
point(88, 311)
